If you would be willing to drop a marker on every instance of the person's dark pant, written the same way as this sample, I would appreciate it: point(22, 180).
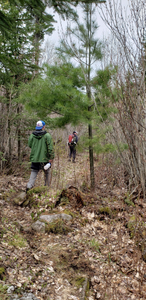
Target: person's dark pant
point(35, 168)
point(72, 152)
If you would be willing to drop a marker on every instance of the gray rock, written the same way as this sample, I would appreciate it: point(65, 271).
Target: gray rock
point(51, 218)
point(38, 226)
point(29, 296)
point(66, 217)
point(25, 296)
point(14, 297)
point(20, 198)
point(10, 289)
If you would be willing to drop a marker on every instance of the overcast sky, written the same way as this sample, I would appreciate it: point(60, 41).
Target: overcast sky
point(57, 34)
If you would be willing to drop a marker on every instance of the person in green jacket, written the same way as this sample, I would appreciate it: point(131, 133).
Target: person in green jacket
point(42, 153)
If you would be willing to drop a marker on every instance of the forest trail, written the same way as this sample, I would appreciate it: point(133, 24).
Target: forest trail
point(92, 255)
point(65, 172)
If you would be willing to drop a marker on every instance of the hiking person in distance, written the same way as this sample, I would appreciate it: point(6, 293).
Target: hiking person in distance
point(42, 153)
point(72, 141)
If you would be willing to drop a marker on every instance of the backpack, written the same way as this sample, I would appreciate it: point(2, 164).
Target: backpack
point(71, 139)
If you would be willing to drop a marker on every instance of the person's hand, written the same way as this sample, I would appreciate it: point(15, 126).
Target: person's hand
point(50, 161)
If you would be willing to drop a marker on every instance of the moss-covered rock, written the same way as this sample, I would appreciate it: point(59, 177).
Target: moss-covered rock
point(38, 190)
point(58, 227)
point(30, 201)
point(20, 198)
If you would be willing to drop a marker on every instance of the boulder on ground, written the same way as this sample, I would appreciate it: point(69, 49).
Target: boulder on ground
point(51, 218)
point(20, 198)
point(38, 226)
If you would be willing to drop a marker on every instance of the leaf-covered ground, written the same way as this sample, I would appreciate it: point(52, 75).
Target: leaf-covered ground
point(99, 254)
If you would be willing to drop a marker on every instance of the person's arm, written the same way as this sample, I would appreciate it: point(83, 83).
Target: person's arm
point(75, 139)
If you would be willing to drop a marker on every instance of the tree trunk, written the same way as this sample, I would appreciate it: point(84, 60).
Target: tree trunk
point(19, 135)
point(2, 135)
point(88, 90)
point(92, 178)
point(10, 144)
point(9, 129)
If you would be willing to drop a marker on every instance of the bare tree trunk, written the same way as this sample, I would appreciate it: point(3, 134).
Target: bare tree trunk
point(37, 45)
point(2, 134)
point(128, 32)
point(88, 90)
point(92, 178)
point(9, 129)
point(19, 134)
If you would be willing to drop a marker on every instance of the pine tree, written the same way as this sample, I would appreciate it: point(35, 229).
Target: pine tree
point(18, 63)
point(58, 92)
point(87, 53)
point(22, 27)
point(63, 7)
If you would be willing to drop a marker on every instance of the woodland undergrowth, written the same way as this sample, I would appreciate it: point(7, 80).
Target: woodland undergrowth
point(99, 254)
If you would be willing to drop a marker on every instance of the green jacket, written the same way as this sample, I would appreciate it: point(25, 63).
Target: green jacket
point(41, 145)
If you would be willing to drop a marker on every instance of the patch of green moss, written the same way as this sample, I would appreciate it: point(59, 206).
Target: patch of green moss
point(38, 190)
point(58, 227)
point(104, 210)
point(68, 212)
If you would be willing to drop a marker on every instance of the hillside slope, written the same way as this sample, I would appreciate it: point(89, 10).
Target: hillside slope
point(98, 254)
